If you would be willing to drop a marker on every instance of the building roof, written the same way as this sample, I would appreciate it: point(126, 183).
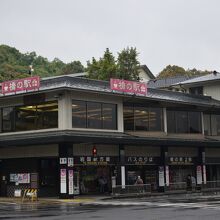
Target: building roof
point(202, 79)
point(71, 136)
point(96, 86)
point(166, 82)
point(148, 72)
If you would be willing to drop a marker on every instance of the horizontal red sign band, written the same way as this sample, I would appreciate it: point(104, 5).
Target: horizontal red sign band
point(128, 86)
point(25, 84)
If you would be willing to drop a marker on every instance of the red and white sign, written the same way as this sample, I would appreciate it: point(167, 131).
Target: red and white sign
point(70, 182)
point(63, 181)
point(128, 86)
point(18, 85)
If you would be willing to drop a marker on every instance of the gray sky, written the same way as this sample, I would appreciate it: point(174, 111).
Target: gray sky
point(180, 32)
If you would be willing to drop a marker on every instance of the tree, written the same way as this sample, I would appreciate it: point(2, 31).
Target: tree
point(172, 71)
point(128, 64)
point(103, 69)
point(73, 67)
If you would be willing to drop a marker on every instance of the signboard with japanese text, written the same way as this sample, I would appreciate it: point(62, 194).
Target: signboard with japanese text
point(63, 160)
point(181, 160)
point(70, 173)
point(70, 161)
point(141, 160)
point(62, 180)
point(128, 86)
point(161, 176)
point(92, 160)
point(199, 174)
point(13, 86)
point(23, 178)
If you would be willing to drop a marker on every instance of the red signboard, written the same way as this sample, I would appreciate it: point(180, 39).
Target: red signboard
point(21, 85)
point(128, 86)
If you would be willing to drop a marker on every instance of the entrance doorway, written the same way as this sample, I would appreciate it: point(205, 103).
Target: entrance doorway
point(95, 179)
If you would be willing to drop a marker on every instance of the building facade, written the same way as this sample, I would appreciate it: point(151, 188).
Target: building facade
point(72, 133)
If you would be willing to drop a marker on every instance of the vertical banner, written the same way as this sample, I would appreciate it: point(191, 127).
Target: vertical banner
point(123, 177)
point(199, 174)
point(204, 174)
point(161, 176)
point(70, 182)
point(62, 180)
point(167, 176)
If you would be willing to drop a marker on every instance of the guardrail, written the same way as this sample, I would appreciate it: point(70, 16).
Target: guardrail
point(131, 189)
point(211, 185)
point(176, 186)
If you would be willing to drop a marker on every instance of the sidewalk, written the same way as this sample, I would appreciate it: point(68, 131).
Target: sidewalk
point(108, 199)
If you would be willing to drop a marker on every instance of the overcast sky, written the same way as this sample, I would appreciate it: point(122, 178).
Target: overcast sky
point(180, 32)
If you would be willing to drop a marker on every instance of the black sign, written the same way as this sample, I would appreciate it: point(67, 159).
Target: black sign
point(181, 160)
point(141, 160)
point(95, 160)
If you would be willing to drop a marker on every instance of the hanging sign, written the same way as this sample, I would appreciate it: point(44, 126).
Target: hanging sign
point(19, 85)
point(70, 172)
point(128, 86)
point(62, 180)
point(161, 176)
point(199, 174)
point(70, 161)
point(63, 160)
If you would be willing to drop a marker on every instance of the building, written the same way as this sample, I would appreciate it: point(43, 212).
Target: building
point(65, 136)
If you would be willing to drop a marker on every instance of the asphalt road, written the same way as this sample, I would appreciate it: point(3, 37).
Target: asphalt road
point(165, 208)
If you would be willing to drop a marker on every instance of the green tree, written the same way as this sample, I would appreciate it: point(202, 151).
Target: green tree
point(128, 64)
point(103, 69)
point(172, 71)
point(73, 67)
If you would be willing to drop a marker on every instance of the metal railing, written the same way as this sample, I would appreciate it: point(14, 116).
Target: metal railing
point(176, 186)
point(211, 185)
point(131, 189)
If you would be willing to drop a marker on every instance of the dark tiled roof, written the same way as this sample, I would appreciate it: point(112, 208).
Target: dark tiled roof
point(167, 82)
point(96, 86)
point(201, 79)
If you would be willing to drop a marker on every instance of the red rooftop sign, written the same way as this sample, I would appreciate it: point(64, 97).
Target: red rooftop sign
point(128, 86)
point(18, 85)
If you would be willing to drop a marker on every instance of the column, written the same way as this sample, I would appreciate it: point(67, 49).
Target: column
point(66, 170)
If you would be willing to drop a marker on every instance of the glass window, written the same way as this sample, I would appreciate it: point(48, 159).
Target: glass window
point(171, 122)
point(128, 118)
point(109, 116)
point(141, 116)
point(181, 122)
point(195, 122)
point(8, 119)
point(24, 118)
point(79, 114)
point(215, 124)
point(94, 115)
point(156, 119)
point(207, 124)
point(47, 115)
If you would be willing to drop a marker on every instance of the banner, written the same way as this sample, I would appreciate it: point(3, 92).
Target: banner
point(161, 176)
point(199, 174)
point(128, 86)
point(70, 182)
point(62, 180)
point(18, 85)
